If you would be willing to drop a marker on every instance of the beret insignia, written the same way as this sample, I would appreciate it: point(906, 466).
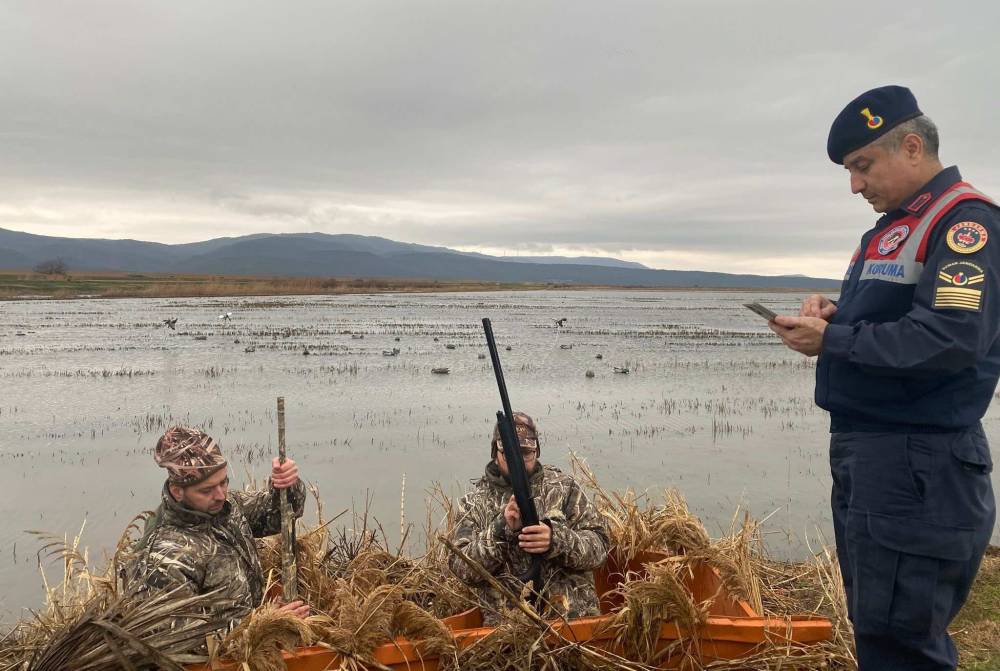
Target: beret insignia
point(873, 121)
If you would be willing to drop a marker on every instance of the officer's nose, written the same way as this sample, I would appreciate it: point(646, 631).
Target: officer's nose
point(857, 183)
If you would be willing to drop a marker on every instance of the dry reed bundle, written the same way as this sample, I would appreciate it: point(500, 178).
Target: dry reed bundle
point(637, 526)
point(127, 633)
point(650, 602)
point(365, 595)
point(772, 588)
point(429, 634)
point(447, 595)
point(362, 558)
point(738, 558)
point(363, 619)
point(315, 585)
point(781, 589)
point(89, 623)
point(260, 638)
point(517, 644)
point(374, 567)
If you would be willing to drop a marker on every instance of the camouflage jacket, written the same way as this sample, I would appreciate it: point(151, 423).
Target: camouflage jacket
point(197, 553)
point(580, 542)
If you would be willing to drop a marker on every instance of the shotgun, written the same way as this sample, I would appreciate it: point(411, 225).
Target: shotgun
point(514, 458)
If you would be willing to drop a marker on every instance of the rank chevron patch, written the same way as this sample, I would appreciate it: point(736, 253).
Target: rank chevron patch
point(958, 286)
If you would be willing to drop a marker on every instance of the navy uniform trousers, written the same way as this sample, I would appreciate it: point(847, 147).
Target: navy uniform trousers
point(913, 514)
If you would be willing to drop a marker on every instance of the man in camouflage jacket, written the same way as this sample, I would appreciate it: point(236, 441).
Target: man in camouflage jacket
point(572, 537)
point(201, 538)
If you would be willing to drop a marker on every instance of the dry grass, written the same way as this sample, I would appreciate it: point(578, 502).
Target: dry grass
point(650, 601)
point(14, 284)
point(976, 630)
point(260, 638)
point(772, 588)
point(88, 623)
point(365, 593)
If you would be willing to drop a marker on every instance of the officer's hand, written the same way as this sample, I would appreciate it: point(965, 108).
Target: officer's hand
point(296, 608)
point(817, 305)
point(512, 514)
point(283, 475)
point(536, 540)
point(802, 334)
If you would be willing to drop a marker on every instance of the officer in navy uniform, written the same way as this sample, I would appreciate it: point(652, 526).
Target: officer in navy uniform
point(909, 358)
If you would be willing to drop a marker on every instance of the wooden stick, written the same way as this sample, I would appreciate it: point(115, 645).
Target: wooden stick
point(289, 572)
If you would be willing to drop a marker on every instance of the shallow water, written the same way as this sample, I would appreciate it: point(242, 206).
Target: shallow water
point(713, 404)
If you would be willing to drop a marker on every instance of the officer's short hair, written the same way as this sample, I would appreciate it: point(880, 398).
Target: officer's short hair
point(921, 126)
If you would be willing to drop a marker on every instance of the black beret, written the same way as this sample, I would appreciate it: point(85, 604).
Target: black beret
point(868, 117)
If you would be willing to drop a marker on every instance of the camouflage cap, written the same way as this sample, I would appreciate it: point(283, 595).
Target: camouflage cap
point(189, 455)
point(527, 432)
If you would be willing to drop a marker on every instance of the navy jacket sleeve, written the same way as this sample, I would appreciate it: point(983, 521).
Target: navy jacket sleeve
point(945, 331)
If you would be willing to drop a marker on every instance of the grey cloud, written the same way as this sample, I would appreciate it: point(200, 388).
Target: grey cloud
point(637, 125)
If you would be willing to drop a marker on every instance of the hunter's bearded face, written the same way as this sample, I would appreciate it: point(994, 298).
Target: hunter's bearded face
point(207, 496)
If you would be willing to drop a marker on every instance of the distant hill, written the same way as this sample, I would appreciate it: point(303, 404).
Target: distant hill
point(323, 255)
point(561, 260)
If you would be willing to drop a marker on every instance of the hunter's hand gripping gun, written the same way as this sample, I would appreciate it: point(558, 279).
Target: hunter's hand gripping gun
point(514, 458)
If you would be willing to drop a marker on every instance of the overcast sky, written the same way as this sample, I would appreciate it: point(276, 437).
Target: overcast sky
point(687, 135)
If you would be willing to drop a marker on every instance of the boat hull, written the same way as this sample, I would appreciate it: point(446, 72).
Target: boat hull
point(732, 630)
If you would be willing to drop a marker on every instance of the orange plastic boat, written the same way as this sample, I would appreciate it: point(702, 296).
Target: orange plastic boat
point(733, 629)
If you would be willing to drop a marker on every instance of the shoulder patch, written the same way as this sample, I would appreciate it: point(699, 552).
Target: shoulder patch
point(967, 237)
point(959, 286)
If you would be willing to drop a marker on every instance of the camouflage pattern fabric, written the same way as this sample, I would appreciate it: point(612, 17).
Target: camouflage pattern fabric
point(189, 455)
point(524, 426)
point(580, 543)
point(192, 552)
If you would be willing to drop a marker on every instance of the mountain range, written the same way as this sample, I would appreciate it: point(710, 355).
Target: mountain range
point(345, 255)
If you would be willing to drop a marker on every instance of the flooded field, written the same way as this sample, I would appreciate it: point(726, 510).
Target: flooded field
point(711, 404)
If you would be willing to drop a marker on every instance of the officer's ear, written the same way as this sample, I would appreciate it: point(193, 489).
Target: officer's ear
point(912, 147)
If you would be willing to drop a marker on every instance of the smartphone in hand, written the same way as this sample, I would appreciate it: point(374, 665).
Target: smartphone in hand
point(764, 312)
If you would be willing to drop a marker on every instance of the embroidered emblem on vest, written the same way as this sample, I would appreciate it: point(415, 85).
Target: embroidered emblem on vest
point(966, 237)
point(891, 240)
point(955, 286)
point(873, 121)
